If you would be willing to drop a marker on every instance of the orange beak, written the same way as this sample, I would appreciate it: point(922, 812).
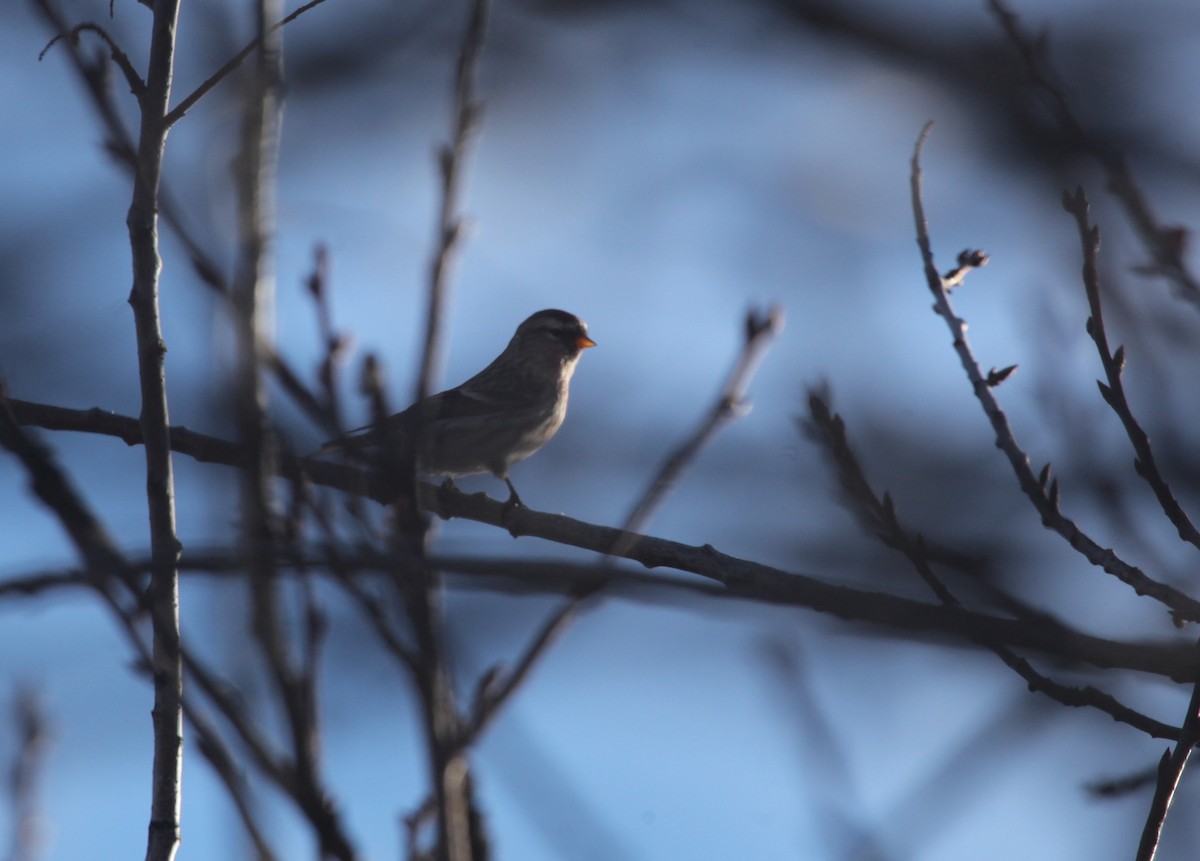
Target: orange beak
point(584, 342)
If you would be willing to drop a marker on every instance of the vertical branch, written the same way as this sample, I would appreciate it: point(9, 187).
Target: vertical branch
point(33, 735)
point(451, 159)
point(253, 290)
point(253, 298)
point(458, 831)
point(142, 221)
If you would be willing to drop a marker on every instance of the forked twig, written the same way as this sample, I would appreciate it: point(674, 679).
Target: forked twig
point(232, 63)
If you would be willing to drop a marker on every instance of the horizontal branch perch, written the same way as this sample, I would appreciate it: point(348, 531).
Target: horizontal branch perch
point(1178, 660)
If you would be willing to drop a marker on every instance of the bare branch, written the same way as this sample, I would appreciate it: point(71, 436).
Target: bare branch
point(741, 577)
point(33, 737)
point(1170, 770)
point(829, 430)
point(1114, 362)
point(201, 91)
point(451, 161)
point(1044, 499)
point(760, 330)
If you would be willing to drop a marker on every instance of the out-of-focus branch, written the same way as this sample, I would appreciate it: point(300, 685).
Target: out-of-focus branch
point(224, 765)
point(1170, 658)
point(253, 298)
point(33, 736)
point(56, 492)
point(459, 826)
point(829, 431)
point(1041, 490)
point(451, 162)
point(760, 330)
point(1114, 363)
point(1165, 244)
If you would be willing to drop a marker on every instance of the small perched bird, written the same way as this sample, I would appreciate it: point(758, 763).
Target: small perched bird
point(497, 418)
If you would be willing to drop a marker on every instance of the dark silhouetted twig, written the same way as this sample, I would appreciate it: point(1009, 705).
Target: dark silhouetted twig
point(1042, 490)
point(216, 77)
point(1113, 362)
point(1170, 770)
point(760, 330)
point(828, 429)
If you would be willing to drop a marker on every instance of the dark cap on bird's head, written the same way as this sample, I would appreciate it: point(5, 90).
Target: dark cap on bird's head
point(561, 325)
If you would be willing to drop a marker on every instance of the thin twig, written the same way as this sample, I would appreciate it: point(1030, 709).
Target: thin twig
point(216, 77)
point(1041, 490)
point(136, 85)
point(1114, 362)
point(829, 431)
point(451, 162)
point(760, 330)
point(225, 765)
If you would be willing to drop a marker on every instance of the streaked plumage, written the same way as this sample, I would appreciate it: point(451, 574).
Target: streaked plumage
point(497, 418)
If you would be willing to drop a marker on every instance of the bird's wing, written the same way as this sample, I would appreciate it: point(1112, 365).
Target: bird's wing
point(459, 404)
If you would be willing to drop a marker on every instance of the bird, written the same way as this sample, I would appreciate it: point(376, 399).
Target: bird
point(495, 419)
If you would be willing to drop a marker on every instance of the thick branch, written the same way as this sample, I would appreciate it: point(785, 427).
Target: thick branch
point(742, 577)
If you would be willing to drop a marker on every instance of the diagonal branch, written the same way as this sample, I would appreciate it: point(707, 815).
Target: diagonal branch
point(230, 65)
point(760, 330)
point(1114, 362)
point(1039, 489)
point(830, 432)
point(1170, 771)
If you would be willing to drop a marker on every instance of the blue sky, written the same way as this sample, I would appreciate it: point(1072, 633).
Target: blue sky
point(656, 169)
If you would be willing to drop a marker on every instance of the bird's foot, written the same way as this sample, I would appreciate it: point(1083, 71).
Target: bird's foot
point(511, 506)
